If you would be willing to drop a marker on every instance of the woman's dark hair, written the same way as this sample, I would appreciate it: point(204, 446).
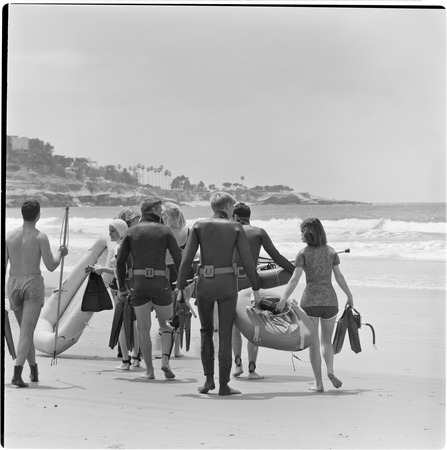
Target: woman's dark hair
point(313, 232)
point(30, 210)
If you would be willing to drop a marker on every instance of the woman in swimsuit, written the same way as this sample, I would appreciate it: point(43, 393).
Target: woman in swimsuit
point(117, 229)
point(318, 260)
point(174, 219)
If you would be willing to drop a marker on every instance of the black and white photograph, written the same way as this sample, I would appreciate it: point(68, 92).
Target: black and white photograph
point(224, 225)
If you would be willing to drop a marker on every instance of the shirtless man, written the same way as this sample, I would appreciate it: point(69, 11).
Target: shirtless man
point(148, 242)
point(257, 238)
point(217, 238)
point(25, 247)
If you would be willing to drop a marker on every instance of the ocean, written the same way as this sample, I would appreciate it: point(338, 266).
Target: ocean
point(399, 245)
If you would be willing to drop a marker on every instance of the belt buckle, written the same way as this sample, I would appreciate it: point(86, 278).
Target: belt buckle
point(208, 271)
point(149, 273)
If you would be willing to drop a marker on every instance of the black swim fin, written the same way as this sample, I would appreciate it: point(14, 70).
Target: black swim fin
point(354, 323)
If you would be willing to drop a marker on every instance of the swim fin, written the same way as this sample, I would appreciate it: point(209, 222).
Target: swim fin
point(354, 323)
point(340, 332)
point(117, 321)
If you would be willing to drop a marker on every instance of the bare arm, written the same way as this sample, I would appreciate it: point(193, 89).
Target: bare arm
point(51, 262)
point(273, 252)
point(190, 251)
point(243, 249)
point(344, 286)
point(100, 270)
point(291, 286)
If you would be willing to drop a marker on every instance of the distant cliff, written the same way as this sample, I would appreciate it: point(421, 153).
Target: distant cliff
point(59, 191)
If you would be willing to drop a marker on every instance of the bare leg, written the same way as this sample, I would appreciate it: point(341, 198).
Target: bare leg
point(237, 351)
point(27, 319)
point(327, 328)
point(144, 324)
point(136, 347)
point(177, 352)
point(315, 358)
point(252, 350)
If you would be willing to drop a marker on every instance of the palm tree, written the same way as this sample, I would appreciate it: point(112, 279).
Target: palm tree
point(137, 168)
point(148, 170)
point(142, 173)
point(160, 168)
point(166, 174)
point(242, 179)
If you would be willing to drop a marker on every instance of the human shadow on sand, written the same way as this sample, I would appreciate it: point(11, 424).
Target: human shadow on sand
point(159, 380)
point(213, 395)
point(41, 387)
point(273, 379)
point(84, 357)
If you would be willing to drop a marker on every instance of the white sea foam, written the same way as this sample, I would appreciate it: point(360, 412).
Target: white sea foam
point(400, 253)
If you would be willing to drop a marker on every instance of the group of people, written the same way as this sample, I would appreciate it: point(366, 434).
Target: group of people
point(153, 264)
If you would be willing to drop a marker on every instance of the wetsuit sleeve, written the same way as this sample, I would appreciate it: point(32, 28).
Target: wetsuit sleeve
point(175, 251)
point(243, 249)
point(189, 253)
point(121, 259)
point(274, 253)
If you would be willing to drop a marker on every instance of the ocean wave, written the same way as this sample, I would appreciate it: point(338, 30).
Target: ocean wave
point(367, 238)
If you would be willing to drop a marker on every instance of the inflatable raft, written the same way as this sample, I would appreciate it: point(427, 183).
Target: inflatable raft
point(72, 321)
point(290, 330)
point(270, 276)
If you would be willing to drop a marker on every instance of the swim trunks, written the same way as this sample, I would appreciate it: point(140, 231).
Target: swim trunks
point(28, 288)
point(156, 290)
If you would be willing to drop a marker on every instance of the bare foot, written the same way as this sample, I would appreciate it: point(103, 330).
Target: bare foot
point(148, 375)
point(334, 380)
point(165, 367)
point(178, 355)
point(239, 371)
point(168, 372)
point(254, 376)
point(227, 390)
point(208, 386)
point(316, 389)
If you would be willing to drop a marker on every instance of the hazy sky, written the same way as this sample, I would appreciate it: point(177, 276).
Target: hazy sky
point(346, 103)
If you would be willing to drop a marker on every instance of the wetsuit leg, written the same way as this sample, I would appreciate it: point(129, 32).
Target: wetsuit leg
point(227, 313)
point(205, 307)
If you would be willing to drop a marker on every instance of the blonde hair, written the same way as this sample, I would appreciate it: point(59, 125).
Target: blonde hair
point(220, 200)
point(172, 216)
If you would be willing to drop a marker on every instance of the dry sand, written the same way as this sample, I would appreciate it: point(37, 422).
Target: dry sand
point(392, 397)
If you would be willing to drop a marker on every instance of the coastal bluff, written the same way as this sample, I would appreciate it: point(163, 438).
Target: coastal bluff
point(53, 191)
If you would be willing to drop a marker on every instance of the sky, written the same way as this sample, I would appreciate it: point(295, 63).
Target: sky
point(344, 103)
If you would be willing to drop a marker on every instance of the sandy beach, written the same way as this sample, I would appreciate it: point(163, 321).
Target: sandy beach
point(393, 396)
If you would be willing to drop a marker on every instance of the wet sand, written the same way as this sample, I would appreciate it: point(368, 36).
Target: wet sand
point(393, 396)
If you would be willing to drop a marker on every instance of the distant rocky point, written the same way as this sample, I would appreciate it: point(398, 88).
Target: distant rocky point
point(53, 191)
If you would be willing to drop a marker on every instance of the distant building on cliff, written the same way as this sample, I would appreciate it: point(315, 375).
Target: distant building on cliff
point(19, 145)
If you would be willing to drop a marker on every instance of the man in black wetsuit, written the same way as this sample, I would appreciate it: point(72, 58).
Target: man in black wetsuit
point(257, 238)
point(217, 238)
point(147, 242)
